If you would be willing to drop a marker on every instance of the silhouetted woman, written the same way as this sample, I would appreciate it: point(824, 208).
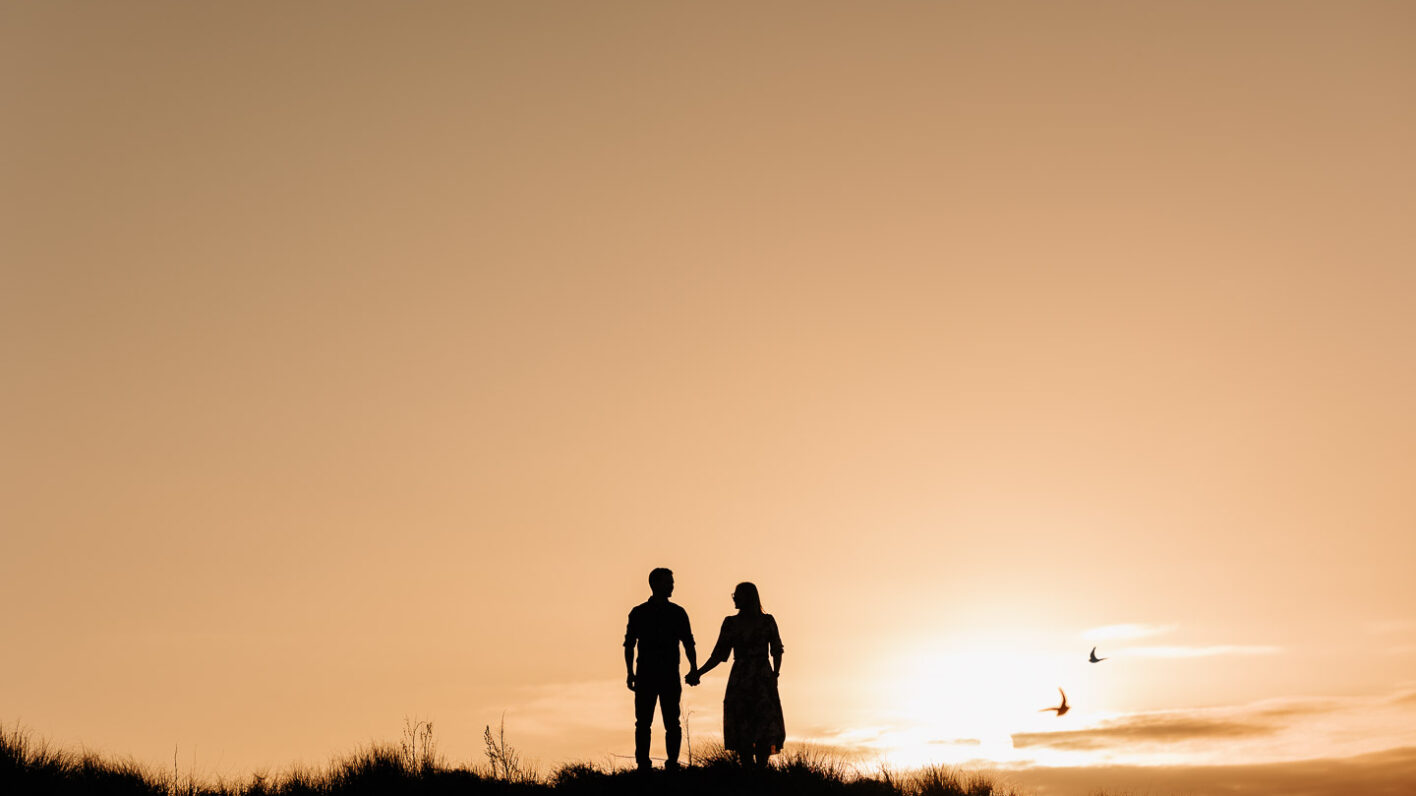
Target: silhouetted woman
point(752, 709)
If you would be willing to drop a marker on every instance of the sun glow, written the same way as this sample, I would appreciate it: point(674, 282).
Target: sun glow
point(961, 701)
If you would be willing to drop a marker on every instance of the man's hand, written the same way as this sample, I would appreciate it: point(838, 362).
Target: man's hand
point(629, 681)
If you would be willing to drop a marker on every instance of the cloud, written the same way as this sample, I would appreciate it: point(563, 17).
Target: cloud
point(1126, 631)
point(1256, 733)
point(852, 735)
point(1200, 652)
point(1293, 708)
point(829, 753)
point(558, 708)
point(1388, 773)
point(1261, 732)
point(1391, 627)
point(1138, 631)
point(1154, 729)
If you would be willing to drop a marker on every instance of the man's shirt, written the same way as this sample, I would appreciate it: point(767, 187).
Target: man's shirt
point(658, 626)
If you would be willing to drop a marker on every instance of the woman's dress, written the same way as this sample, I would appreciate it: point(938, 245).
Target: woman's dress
point(752, 708)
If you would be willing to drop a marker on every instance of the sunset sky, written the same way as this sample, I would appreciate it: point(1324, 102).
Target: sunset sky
point(361, 359)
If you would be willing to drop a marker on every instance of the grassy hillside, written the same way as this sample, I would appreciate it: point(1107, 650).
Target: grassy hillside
point(28, 766)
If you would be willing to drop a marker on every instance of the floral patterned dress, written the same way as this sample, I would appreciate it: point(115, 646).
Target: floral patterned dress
point(752, 708)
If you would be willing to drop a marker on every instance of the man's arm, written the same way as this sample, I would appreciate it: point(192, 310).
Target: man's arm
point(692, 655)
point(629, 667)
point(690, 652)
point(629, 639)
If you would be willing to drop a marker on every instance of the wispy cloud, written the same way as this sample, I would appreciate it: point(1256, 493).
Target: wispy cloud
point(853, 745)
point(1133, 631)
point(1305, 727)
point(1284, 710)
point(1268, 731)
point(1126, 631)
point(561, 707)
point(1143, 729)
point(1390, 771)
point(1391, 627)
point(855, 737)
point(834, 752)
point(1200, 652)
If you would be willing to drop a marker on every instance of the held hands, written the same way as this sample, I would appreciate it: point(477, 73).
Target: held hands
point(629, 681)
point(693, 678)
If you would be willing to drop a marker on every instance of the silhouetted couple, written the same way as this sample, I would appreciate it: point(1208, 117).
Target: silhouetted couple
point(752, 708)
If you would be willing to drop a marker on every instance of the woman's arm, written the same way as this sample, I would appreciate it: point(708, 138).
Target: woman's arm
point(709, 665)
point(719, 654)
point(775, 646)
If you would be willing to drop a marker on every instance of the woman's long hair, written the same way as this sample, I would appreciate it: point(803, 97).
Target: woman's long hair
point(747, 598)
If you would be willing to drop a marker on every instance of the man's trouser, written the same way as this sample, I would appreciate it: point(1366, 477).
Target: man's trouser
point(664, 689)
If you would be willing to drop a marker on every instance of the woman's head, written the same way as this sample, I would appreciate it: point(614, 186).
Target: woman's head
point(745, 597)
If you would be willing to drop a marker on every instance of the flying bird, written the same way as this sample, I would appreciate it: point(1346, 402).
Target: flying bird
point(1095, 659)
point(1062, 708)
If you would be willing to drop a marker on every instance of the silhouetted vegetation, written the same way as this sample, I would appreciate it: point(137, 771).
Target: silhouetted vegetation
point(28, 766)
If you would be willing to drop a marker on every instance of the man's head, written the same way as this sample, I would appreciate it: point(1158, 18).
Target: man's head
point(661, 582)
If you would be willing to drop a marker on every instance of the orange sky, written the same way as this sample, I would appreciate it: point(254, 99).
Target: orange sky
point(361, 359)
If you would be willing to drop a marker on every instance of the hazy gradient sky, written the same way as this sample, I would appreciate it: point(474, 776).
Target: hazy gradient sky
point(360, 360)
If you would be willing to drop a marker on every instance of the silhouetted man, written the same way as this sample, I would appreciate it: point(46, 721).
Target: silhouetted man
point(657, 626)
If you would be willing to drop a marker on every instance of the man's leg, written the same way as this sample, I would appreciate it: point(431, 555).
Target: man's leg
point(644, 698)
point(673, 733)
